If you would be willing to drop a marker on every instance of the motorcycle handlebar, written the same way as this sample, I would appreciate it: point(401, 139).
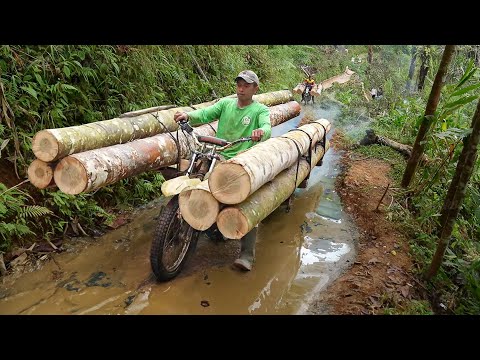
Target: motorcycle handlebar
point(185, 126)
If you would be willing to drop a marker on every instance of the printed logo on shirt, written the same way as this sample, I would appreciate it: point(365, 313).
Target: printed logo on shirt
point(246, 120)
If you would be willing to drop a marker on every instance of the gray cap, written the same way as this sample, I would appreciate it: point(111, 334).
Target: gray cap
point(249, 76)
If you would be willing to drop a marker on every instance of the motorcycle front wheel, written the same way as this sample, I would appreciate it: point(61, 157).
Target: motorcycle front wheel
point(173, 242)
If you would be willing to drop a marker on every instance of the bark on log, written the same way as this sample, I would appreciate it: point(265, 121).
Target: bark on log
point(93, 169)
point(90, 170)
point(284, 112)
point(274, 97)
point(236, 221)
point(232, 181)
point(198, 206)
point(53, 144)
point(40, 174)
point(406, 150)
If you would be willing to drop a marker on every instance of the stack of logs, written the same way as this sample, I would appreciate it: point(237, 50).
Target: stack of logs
point(87, 157)
point(244, 190)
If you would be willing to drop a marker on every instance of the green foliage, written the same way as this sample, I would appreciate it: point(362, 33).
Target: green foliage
point(17, 218)
point(457, 282)
point(413, 307)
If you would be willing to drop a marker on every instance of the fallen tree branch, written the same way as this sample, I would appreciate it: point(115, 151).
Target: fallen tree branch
point(385, 193)
point(406, 150)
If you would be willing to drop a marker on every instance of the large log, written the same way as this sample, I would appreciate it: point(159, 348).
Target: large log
point(40, 174)
point(236, 221)
point(90, 170)
point(299, 89)
point(198, 206)
point(53, 144)
point(283, 112)
point(274, 97)
point(232, 181)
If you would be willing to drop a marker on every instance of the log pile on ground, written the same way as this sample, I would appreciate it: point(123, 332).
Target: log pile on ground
point(52, 145)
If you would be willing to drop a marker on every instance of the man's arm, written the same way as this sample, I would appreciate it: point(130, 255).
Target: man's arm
point(206, 115)
point(264, 123)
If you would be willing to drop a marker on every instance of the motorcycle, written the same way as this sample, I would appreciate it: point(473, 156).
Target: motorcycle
point(174, 239)
point(307, 96)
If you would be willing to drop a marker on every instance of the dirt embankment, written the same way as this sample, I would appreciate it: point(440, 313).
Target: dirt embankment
point(381, 275)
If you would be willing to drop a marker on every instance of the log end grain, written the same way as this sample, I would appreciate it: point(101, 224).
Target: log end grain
point(229, 183)
point(199, 208)
point(70, 176)
point(232, 223)
point(40, 174)
point(45, 146)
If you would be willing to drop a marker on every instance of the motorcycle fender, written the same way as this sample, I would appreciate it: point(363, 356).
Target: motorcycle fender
point(177, 185)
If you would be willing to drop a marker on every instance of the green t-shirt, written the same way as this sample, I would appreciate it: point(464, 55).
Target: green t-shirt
point(234, 122)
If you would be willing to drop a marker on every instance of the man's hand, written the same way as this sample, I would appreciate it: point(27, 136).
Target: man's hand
point(257, 134)
point(180, 116)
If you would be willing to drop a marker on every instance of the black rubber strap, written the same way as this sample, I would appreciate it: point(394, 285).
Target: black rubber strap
point(298, 163)
point(310, 147)
point(214, 131)
point(322, 142)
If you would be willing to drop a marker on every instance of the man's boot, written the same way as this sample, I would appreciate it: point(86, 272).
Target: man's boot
point(247, 251)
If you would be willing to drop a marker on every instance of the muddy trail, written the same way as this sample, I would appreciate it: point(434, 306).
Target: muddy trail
point(298, 254)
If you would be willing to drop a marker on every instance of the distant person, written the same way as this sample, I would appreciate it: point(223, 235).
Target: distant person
point(309, 83)
point(376, 93)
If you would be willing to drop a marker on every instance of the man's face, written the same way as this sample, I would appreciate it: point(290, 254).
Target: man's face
point(245, 90)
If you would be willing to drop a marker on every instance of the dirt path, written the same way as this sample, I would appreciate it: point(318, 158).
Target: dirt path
point(381, 276)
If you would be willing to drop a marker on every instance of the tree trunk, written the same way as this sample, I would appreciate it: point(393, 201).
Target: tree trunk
point(232, 181)
point(96, 168)
point(422, 73)
point(411, 70)
point(405, 150)
point(456, 192)
point(370, 54)
point(419, 146)
point(198, 206)
point(53, 144)
point(40, 174)
point(236, 221)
